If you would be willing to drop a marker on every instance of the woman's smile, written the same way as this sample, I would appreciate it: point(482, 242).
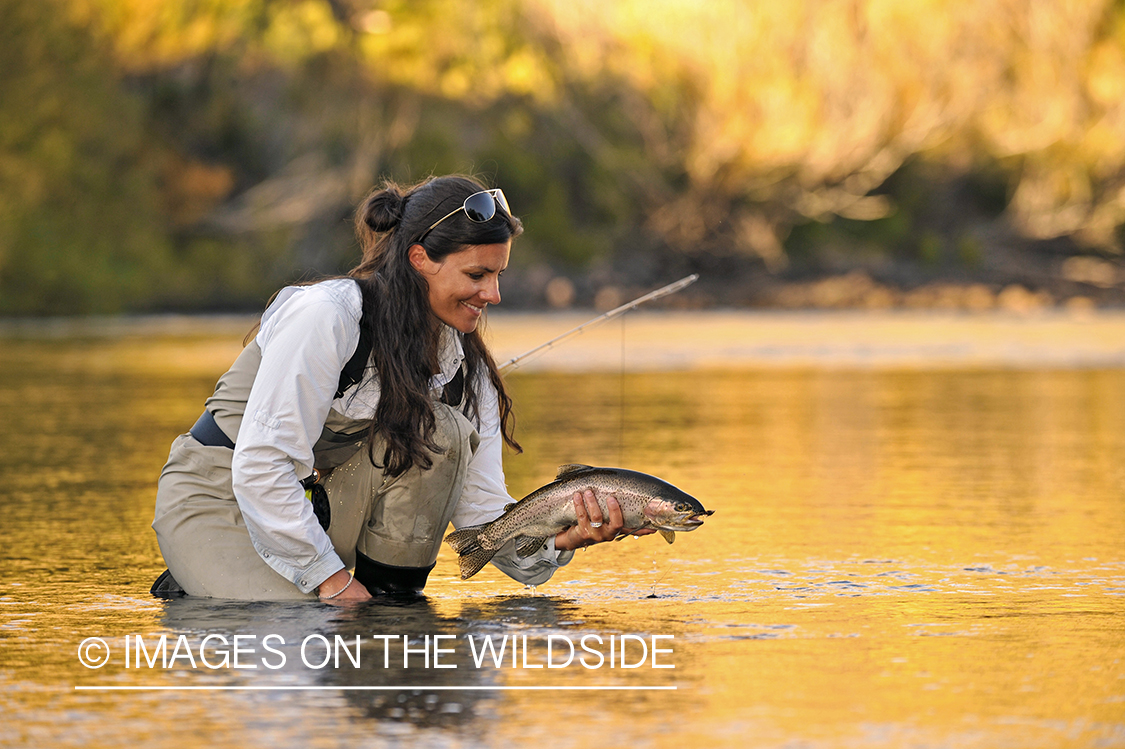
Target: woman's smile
point(464, 283)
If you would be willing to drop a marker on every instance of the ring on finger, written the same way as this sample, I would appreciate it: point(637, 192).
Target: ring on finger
point(595, 525)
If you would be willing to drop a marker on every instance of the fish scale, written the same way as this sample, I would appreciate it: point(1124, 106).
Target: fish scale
point(646, 502)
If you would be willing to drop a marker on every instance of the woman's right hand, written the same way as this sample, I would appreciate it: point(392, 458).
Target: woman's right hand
point(355, 592)
point(593, 526)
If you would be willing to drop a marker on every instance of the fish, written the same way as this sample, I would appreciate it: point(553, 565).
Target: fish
point(646, 502)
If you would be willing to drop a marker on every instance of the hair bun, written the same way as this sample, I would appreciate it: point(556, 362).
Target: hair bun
point(382, 210)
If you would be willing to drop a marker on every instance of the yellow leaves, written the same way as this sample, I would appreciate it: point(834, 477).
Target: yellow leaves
point(819, 89)
point(525, 74)
point(471, 53)
point(300, 30)
point(807, 105)
point(1105, 73)
point(457, 82)
point(376, 21)
point(151, 34)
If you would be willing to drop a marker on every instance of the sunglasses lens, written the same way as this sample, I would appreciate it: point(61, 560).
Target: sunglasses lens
point(480, 207)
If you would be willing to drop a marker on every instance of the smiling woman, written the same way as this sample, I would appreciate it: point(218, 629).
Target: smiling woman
point(462, 285)
point(375, 397)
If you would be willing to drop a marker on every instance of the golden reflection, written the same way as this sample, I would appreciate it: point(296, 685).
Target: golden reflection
point(896, 558)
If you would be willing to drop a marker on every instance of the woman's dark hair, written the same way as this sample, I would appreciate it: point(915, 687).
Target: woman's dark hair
point(397, 320)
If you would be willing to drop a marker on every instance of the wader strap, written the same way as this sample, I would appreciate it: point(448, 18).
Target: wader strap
point(353, 370)
point(376, 576)
point(454, 393)
point(208, 433)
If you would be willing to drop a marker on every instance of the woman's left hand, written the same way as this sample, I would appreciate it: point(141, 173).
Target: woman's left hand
point(594, 526)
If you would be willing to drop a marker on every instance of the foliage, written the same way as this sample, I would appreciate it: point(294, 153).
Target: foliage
point(198, 154)
point(79, 227)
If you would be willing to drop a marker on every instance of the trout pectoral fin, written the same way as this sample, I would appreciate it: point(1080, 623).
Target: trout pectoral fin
point(528, 546)
point(669, 536)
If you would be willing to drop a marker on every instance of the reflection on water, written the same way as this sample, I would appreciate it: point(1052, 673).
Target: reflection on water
point(897, 558)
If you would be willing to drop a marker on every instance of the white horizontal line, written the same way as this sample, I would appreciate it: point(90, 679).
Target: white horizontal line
point(363, 689)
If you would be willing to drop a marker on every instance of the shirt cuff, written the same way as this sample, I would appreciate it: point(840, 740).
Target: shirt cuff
point(562, 558)
point(532, 570)
point(309, 578)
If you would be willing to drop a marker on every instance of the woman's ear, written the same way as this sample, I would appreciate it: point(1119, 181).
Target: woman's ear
point(418, 258)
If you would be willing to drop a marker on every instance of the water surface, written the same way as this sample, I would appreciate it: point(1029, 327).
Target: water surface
point(898, 558)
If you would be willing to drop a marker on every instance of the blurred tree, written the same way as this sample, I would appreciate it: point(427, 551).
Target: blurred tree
point(199, 154)
point(80, 226)
point(773, 114)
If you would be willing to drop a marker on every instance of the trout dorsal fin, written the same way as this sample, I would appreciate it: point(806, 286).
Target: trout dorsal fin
point(570, 468)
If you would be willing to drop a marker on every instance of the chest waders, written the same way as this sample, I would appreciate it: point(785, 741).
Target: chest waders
point(388, 529)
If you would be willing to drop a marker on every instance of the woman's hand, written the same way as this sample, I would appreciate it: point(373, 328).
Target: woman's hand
point(354, 593)
point(593, 525)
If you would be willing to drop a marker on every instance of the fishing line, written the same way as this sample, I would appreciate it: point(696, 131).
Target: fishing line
point(663, 291)
point(659, 580)
point(621, 432)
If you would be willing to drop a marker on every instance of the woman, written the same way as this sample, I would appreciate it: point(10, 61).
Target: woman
point(375, 396)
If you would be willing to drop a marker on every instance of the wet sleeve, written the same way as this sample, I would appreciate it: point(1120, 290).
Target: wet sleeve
point(304, 345)
point(485, 495)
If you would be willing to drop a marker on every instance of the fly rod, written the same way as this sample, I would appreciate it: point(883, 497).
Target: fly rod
point(671, 288)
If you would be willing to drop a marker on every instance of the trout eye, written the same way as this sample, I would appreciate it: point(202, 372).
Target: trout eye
point(683, 507)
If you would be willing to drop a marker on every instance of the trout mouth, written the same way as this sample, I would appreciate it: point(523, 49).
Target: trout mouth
point(665, 517)
point(685, 521)
point(697, 518)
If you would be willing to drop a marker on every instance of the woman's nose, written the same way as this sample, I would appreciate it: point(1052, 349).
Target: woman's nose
point(491, 291)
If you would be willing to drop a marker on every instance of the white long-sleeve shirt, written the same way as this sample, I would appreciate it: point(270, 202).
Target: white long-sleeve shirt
point(307, 335)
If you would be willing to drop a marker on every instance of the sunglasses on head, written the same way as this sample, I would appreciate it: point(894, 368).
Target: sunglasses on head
point(479, 207)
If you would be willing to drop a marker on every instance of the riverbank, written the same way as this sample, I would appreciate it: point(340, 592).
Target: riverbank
point(708, 340)
point(667, 340)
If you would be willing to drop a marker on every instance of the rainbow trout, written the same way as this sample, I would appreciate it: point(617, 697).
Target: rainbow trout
point(646, 502)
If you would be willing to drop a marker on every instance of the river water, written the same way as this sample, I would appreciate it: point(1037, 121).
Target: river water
point(899, 557)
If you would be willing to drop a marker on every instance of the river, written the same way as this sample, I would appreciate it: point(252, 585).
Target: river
point(917, 541)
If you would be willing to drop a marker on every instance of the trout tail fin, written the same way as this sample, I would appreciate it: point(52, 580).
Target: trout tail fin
point(471, 556)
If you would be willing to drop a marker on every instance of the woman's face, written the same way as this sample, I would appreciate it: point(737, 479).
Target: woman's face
point(464, 283)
